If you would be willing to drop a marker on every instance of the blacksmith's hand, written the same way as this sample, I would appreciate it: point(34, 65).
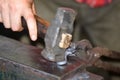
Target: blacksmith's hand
point(11, 12)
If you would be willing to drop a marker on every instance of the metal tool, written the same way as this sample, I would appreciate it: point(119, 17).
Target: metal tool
point(59, 35)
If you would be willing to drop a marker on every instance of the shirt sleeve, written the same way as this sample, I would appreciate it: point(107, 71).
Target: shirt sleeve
point(95, 3)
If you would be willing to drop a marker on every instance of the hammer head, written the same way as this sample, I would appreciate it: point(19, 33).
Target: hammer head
point(59, 35)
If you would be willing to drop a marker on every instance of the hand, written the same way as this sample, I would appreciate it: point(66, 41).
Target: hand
point(11, 12)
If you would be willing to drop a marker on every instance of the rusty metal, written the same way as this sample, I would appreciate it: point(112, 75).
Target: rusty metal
point(24, 62)
point(107, 66)
point(91, 55)
point(106, 52)
point(98, 52)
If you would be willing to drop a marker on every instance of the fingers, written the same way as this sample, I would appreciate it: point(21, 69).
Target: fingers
point(5, 16)
point(31, 22)
point(0, 18)
point(11, 12)
point(15, 21)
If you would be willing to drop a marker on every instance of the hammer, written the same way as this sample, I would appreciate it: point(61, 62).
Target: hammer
point(58, 35)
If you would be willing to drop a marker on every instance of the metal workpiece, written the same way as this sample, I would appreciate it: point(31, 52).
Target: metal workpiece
point(98, 52)
point(59, 35)
point(19, 61)
point(92, 55)
point(101, 51)
point(79, 49)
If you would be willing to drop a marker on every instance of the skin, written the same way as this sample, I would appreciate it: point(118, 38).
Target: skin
point(11, 12)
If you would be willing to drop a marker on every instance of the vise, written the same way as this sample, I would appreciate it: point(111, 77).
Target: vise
point(57, 61)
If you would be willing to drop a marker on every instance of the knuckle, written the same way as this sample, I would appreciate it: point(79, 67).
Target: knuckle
point(15, 28)
point(15, 7)
point(2, 6)
point(7, 26)
point(1, 19)
point(21, 29)
point(6, 23)
point(12, 8)
point(29, 15)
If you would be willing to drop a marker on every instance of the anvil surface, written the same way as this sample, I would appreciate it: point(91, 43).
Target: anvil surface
point(19, 61)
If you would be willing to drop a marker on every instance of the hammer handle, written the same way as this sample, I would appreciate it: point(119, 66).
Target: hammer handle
point(42, 25)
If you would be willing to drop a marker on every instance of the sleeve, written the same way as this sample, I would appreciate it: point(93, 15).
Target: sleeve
point(95, 3)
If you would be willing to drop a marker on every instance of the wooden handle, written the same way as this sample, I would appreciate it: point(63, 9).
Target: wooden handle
point(42, 25)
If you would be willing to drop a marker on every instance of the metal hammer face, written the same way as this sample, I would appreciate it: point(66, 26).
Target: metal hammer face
point(58, 36)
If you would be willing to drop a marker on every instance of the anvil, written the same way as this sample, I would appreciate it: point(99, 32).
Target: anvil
point(19, 61)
